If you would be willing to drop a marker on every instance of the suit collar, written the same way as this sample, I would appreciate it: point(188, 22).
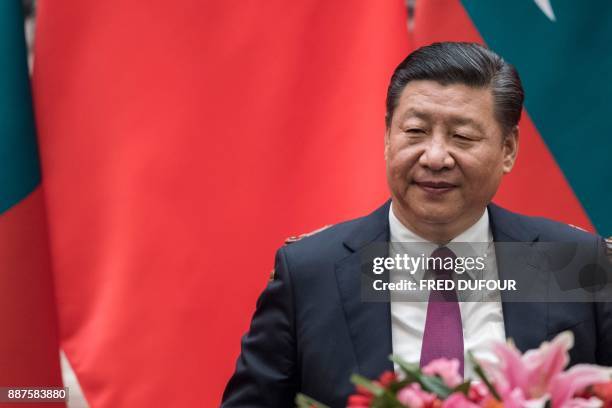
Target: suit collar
point(373, 227)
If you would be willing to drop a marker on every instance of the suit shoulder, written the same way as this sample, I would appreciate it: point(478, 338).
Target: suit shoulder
point(321, 240)
point(314, 251)
point(315, 254)
point(551, 230)
point(548, 229)
point(336, 242)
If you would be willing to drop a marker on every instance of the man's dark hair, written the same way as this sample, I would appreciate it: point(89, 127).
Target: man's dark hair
point(461, 63)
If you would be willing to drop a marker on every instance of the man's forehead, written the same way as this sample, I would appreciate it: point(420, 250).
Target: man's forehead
point(459, 102)
point(454, 92)
point(430, 85)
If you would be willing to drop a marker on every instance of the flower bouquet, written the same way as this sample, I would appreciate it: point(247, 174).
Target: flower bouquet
point(535, 379)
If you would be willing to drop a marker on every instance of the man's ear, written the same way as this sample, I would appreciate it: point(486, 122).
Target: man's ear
point(511, 147)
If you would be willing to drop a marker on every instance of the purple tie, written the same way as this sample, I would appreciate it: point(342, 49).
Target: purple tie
point(443, 335)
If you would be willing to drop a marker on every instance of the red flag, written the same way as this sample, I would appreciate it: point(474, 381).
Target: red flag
point(29, 349)
point(181, 142)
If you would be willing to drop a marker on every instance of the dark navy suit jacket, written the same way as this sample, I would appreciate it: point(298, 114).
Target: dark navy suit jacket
point(311, 329)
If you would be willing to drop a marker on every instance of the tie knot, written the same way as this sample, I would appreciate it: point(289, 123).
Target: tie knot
point(442, 262)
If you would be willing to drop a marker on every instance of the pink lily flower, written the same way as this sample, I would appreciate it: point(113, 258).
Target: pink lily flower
point(565, 385)
point(458, 400)
point(413, 396)
point(529, 380)
point(447, 370)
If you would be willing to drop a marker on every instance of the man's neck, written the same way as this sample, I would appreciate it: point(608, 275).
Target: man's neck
point(439, 233)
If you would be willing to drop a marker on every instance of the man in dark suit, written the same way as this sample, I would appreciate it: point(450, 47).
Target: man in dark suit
point(451, 135)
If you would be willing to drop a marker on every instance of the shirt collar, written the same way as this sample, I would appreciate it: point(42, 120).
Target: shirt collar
point(479, 234)
point(480, 231)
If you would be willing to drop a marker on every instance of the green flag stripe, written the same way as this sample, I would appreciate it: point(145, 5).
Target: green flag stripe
point(566, 68)
point(19, 165)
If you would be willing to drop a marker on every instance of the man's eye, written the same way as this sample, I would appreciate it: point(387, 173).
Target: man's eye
point(414, 130)
point(462, 137)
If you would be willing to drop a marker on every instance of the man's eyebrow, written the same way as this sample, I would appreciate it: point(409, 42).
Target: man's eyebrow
point(414, 113)
point(457, 121)
point(460, 121)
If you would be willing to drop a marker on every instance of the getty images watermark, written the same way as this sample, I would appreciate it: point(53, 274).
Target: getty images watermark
point(482, 272)
point(448, 265)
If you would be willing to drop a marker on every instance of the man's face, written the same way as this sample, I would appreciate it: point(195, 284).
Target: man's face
point(445, 154)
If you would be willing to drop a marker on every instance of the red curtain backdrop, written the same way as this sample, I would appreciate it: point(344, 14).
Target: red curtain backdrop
point(181, 142)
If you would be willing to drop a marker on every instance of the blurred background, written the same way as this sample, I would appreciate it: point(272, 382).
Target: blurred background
point(29, 14)
point(154, 156)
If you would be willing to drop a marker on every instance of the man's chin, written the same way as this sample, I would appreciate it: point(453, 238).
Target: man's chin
point(436, 218)
point(435, 213)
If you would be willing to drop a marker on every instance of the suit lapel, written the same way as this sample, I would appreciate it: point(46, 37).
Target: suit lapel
point(369, 322)
point(525, 312)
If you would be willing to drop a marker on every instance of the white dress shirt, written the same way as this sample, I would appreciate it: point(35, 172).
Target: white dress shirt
point(482, 317)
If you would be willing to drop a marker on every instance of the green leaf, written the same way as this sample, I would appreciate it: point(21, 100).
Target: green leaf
point(387, 400)
point(383, 398)
point(304, 401)
point(428, 383)
point(435, 385)
point(480, 373)
point(369, 385)
point(463, 388)
point(405, 366)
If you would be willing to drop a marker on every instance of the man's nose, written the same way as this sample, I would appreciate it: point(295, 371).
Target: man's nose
point(436, 155)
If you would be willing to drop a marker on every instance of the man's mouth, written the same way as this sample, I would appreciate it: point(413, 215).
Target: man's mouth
point(435, 187)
